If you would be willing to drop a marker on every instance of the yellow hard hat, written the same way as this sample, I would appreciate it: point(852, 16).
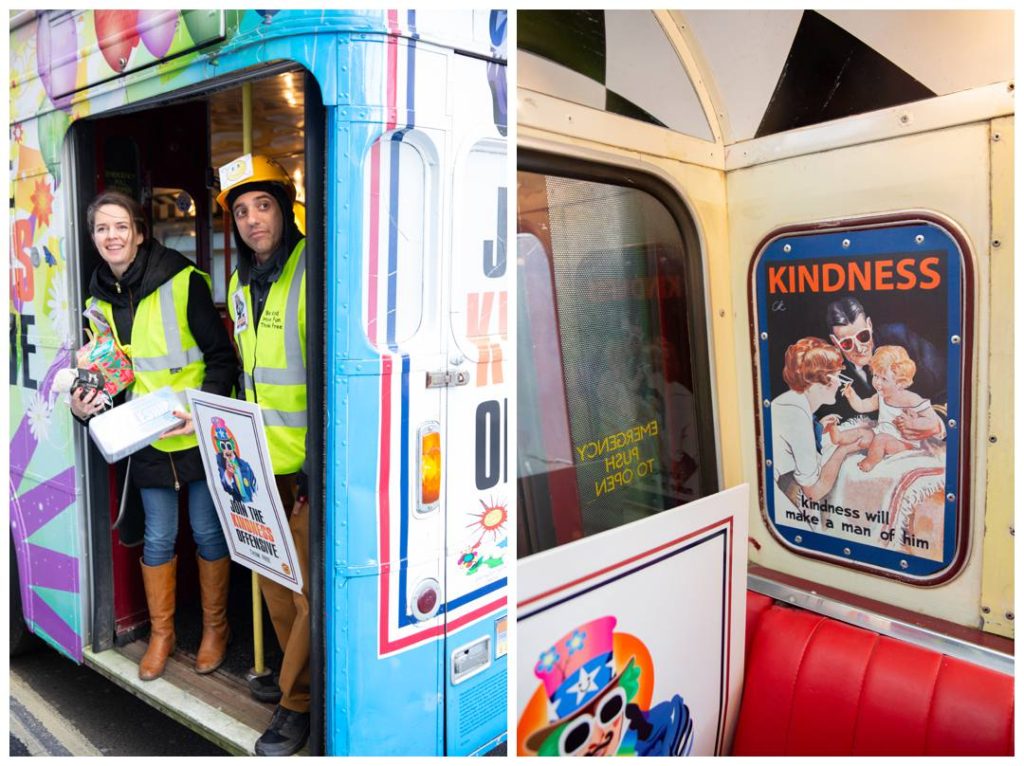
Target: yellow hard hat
point(252, 168)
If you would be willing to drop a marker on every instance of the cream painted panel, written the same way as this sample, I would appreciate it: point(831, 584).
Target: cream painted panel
point(947, 172)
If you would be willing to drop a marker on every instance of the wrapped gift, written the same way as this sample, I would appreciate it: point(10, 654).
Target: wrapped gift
point(104, 355)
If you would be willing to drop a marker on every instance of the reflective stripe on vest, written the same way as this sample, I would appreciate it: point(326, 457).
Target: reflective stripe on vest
point(280, 391)
point(163, 350)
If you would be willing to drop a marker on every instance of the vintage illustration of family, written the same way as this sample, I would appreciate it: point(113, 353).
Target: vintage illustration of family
point(858, 439)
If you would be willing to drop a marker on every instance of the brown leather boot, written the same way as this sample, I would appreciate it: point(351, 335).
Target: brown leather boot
point(213, 587)
point(160, 582)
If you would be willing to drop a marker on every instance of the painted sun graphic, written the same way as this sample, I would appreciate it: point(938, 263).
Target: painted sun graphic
point(492, 520)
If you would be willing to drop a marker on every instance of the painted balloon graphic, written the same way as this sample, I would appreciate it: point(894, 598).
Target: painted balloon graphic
point(58, 76)
point(202, 25)
point(157, 28)
point(117, 35)
point(52, 128)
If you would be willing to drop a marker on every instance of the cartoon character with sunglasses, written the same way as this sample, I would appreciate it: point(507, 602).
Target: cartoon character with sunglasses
point(590, 708)
point(236, 475)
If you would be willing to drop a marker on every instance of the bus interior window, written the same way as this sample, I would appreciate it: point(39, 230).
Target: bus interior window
point(608, 425)
point(167, 158)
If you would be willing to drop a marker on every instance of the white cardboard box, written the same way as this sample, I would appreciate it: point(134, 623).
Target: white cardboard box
point(131, 426)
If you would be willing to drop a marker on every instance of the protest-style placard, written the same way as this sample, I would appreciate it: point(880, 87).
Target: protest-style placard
point(630, 642)
point(233, 444)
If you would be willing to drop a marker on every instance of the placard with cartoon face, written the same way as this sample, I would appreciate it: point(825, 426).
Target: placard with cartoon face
point(630, 642)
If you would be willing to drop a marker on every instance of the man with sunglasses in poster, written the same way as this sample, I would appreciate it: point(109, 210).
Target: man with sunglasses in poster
point(852, 332)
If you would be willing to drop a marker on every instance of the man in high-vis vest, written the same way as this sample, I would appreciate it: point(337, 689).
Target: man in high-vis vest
point(267, 303)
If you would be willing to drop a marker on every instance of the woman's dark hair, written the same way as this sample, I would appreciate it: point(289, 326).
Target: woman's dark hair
point(122, 201)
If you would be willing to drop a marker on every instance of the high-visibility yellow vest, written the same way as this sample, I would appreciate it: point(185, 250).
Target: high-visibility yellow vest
point(163, 351)
point(274, 359)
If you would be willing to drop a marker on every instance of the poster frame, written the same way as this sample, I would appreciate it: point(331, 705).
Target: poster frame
point(891, 220)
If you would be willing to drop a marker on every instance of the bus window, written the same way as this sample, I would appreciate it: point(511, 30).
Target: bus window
point(174, 221)
point(609, 428)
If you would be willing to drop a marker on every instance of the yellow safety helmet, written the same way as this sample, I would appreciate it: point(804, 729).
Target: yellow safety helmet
point(252, 168)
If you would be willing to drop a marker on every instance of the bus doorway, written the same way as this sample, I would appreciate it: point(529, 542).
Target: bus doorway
point(166, 158)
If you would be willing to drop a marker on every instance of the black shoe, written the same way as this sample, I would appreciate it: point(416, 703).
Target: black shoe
point(264, 688)
point(287, 733)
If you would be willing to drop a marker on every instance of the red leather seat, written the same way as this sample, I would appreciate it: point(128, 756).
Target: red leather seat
point(816, 686)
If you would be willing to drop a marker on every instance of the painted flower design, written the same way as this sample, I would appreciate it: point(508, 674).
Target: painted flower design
point(18, 133)
point(39, 417)
point(576, 642)
point(42, 202)
point(547, 660)
point(468, 558)
point(59, 310)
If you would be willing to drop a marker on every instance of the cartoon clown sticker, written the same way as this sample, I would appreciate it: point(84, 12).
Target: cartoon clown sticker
point(595, 700)
point(236, 476)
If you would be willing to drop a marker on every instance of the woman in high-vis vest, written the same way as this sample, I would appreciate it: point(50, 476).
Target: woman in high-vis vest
point(159, 307)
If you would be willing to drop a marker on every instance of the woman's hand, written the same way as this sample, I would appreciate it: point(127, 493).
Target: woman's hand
point(85, 403)
point(187, 427)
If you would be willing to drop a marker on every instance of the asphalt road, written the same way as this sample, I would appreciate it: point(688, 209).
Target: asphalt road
point(59, 708)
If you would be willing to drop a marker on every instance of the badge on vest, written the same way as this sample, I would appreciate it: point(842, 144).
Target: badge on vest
point(241, 313)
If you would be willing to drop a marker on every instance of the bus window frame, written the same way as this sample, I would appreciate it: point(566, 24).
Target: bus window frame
point(81, 166)
point(695, 289)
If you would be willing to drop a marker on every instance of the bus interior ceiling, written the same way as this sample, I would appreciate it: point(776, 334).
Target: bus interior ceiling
point(167, 157)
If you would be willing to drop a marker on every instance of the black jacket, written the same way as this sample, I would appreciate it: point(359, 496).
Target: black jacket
point(154, 264)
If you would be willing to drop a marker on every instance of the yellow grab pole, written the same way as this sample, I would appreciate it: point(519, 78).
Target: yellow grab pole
point(257, 611)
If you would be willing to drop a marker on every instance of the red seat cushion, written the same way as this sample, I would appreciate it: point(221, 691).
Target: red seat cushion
point(816, 686)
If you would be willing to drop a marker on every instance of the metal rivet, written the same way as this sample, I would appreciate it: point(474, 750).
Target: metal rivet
point(1010, 87)
point(721, 312)
point(996, 136)
point(919, 239)
point(1011, 532)
point(767, 403)
point(123, 62)
point(955, 340)
point(952, 423)
point(951, 497)
point(798, 539)
point(985, 610)
point(1009, 615)
point(996, 243)
point(992, 439)
point(846, 243)
point(786, 248)
point(764, 336)
point(903, 564)
point(768, 463)
point(846, 551)
point(904, 118)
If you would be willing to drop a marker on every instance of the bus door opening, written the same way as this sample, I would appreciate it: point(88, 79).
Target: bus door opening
point(166, 158)
point(157, 157)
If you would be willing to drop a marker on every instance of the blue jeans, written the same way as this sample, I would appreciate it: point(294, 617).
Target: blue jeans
point(161, 506)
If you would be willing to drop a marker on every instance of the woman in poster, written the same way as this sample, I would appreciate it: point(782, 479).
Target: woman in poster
point(812, 373)
point(159, 305)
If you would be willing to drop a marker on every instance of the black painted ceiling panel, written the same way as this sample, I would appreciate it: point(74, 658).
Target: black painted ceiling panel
point(831, 74)
point(574, 39)
point(616, 104)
